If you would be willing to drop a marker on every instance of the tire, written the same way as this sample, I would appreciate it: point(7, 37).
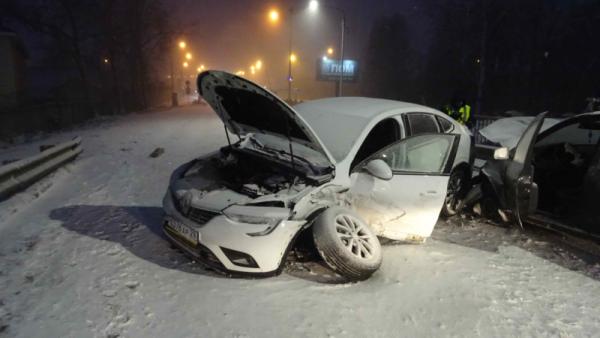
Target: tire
point(347, 244)
point(457, 186)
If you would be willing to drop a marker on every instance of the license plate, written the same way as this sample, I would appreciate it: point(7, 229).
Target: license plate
point(184, 231)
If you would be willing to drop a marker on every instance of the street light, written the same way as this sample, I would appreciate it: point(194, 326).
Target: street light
point(181, 44)
point(293, 58)
point(343, 29)
point(330, 51)
point(188, 55)
point(313, 6)
point(258, 65)
point(185, 64)
point(273, 15)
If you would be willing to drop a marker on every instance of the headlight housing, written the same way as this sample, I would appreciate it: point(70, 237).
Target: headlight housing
point(251, 219)
point(182, 199)
point(270, 222)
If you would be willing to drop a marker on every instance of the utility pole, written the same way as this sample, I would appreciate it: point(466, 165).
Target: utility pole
point(341, 80)
point(290, 79)
point(174, 102)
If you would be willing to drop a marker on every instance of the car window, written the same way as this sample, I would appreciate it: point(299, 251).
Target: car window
point(573, 133)
point(426, 153)
point(445, 125)
point(383, 134)
point(421, 123)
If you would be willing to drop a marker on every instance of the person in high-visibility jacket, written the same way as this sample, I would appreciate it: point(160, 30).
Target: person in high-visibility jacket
point(450, 110)
point(463, 115)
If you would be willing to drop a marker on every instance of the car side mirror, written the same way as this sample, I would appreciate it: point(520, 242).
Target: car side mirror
point(501, 154)
point(378, 168)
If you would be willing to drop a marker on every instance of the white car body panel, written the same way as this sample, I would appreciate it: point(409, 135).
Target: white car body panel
point(220, 232)
point(404, 208)
point(362, 114)
point(507, 131)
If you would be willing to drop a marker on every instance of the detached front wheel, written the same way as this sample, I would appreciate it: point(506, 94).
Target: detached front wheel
point(347, 243)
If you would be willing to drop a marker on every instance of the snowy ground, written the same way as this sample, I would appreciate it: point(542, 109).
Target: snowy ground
point(81, 255)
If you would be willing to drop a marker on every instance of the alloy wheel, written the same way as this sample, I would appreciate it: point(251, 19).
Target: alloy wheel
point(351, 231)
point(452, 195)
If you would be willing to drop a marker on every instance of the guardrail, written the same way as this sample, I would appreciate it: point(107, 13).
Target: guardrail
point(20, 174)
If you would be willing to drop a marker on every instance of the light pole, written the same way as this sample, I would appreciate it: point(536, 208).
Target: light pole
point(274, 18)
point(290, 61)
point(342, 53)
point(174, 102)
point(314, 5)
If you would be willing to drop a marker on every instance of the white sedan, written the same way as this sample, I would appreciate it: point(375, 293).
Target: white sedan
point(348, 169)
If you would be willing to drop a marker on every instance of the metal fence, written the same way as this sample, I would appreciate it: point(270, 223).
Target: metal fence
point(481, 122)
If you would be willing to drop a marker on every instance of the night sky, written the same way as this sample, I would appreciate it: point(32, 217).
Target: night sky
point(231, 35)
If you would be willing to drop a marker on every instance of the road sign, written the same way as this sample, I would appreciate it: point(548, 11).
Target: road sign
point(329, 70)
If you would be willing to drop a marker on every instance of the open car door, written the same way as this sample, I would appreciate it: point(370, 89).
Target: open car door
point(406, 204)
point(520, 190)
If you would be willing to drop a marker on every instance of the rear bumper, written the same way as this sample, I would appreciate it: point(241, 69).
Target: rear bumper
point(222, 240)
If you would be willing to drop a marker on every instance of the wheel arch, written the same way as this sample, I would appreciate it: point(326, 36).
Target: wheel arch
point(466, 168)
point(493, 187)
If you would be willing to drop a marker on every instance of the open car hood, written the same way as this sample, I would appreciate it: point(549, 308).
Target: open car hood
point(246, 107)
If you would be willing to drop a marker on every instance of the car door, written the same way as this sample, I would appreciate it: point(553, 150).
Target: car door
point(520, 190)
point(407, 206)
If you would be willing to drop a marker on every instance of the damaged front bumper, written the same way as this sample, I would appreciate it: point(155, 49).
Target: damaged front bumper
point(229, 246)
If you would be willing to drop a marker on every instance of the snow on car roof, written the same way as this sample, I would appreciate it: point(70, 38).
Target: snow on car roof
point(339, 122)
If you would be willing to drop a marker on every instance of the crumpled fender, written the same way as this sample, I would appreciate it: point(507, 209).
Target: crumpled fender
point(492, 183)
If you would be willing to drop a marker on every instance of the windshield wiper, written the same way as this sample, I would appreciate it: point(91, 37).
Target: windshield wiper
point(255, 141)
point(289, 137)
point(295, 157)
point(281, 154)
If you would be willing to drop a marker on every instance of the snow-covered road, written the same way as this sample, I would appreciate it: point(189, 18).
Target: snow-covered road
point(81, 255)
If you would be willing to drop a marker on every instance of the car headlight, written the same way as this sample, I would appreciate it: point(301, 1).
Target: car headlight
point(270, 222)
point(251, 219)
point(182, 200)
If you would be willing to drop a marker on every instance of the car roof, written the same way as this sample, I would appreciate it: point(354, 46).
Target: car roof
point(339, 122)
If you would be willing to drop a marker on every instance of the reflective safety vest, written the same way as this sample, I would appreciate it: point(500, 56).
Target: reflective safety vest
point(449, 110)
point(464, 114)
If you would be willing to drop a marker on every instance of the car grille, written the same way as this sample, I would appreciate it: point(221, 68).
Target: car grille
point(198, 251)
point(201, 216)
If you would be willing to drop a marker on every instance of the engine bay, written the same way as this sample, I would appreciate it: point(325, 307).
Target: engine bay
point(245, 173)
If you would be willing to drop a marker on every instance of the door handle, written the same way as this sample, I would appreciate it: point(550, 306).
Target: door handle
point(430, 193)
